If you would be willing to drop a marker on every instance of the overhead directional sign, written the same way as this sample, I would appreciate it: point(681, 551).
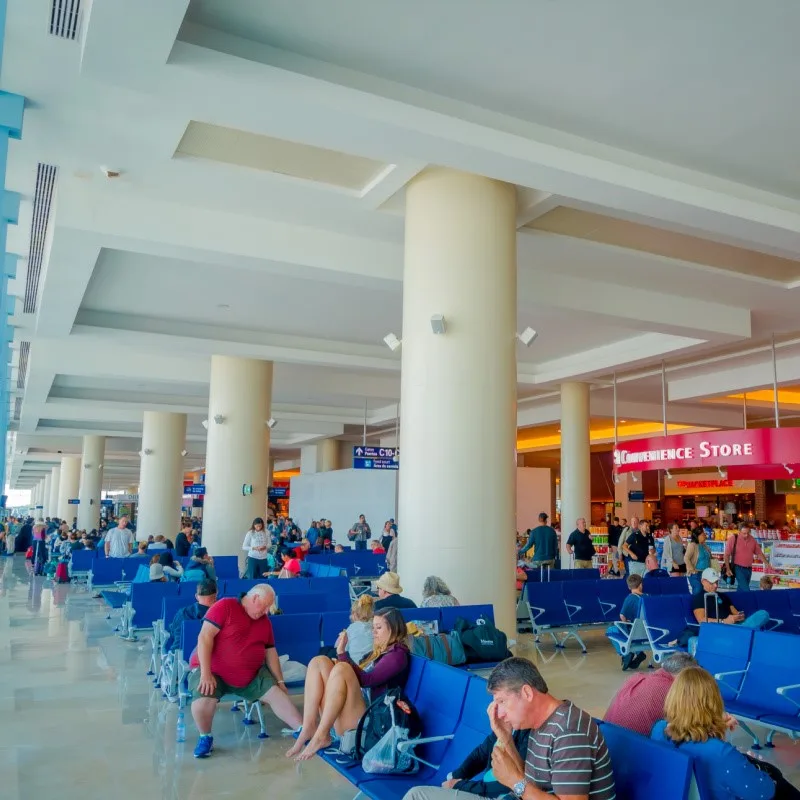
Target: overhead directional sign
point(196, 489)
point(74, 501)
point(376, 457)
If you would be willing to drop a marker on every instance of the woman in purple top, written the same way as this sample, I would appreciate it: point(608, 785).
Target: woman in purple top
point(333, 689)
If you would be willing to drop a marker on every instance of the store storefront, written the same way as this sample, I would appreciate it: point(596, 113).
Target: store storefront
point(705, 495)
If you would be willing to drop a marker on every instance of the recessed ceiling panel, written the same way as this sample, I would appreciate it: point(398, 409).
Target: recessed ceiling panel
point(266, 153)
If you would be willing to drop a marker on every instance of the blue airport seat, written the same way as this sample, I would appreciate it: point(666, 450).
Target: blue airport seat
point(234, 587)
point(286, 586)
point(584, 574)
point(171, 605)
point(744, 601)
point(333, 623)
point(611, 595)
point(470, 613)
point(421, 614)
point(665, 618)
point(297, 635)
point(794, 601)
point(226, 567)
point(82, 561)
point(770, 691)
point(546, 603)
point(108, 571)
point(414, 677)
point(582, 603)
point(637, 778)
point(309, 603)
point(146, 602)
point(777, 604)
point(725, 649)
point(676, 585)
point(189, 633)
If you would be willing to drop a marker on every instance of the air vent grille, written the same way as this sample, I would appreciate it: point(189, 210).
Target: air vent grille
point(22, 372)
point(42, 203)
point(17, 408)
point(64, 18)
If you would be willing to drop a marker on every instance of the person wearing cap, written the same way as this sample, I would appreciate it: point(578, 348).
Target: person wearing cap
point(390, 593)
point(157, 572)
point(544, 541)
point(710, 606)
point(205, 596)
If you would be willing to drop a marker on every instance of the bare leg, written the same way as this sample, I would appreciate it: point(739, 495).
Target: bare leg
point(282, 706)
point(319, 668)
point(203, 714)
point(342, 708)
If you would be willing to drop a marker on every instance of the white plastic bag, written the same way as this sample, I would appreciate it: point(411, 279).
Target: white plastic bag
point(385, 759)
point(292, 670)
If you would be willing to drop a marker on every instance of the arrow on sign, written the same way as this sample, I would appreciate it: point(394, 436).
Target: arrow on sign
point(359, 451)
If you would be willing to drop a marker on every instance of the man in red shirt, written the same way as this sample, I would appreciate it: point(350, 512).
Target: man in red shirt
point(639, 703)
point(236, 655)
point(740, 550)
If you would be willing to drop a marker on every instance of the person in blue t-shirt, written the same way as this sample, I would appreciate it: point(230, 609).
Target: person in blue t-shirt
point(631, 610)
point(312, 534)
point(544, 541)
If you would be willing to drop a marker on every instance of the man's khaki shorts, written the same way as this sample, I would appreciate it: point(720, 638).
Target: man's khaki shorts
point(581, 563)
point(254, 690)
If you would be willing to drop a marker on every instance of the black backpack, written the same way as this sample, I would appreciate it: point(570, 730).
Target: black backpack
point(377, 720)
point(481, 640)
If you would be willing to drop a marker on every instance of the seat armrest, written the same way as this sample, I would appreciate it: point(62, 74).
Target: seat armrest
point(783, 691)
point(408, 747)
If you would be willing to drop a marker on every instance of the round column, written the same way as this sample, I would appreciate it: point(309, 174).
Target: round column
point(458, 390)
point(161, 475)
point(576, 491)
point(94, 449)
point(68, 487)
point(46, 495)
point(237, 453)
point(55, 483)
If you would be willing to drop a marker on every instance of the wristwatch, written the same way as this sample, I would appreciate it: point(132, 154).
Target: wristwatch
point(519, 788)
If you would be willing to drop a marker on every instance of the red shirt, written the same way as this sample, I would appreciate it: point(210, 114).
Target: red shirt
point(639, 703)
point(293, 566)
point(238, 652)
point(299, 553)
point(746, 550)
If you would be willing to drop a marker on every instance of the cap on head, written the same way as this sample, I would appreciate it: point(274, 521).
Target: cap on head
point(710, 575)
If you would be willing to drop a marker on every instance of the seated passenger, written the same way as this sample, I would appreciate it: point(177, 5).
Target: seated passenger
point(377, 547)
point(436, 593)
point(695, 723)
point(291, 566)
point(359, 632)
point(540, 746)
point(172, 568)
point(201, 561)
point(766, 583)
point(205, 597)
point(142, 549)
point(157, 571)
point(338, 549)
point(630, 611)
point(159, 543)
point(230, 659)
point(390, 593)
point(301, 551)
point(333, 697)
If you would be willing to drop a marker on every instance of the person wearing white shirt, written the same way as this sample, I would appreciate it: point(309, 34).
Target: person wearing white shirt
point(119, 540)
point(256, 545)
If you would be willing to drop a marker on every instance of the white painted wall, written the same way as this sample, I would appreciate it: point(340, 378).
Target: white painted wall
point(534, 495)
point(340, 496)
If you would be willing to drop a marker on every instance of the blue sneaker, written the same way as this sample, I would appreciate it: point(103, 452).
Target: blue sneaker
point(205, 747)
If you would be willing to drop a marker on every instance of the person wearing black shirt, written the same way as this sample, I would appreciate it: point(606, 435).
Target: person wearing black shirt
point(636, 547)
point(614, 532)
point(580, 545)
point(183, 541)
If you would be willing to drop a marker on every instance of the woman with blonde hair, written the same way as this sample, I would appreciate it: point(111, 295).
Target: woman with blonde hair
point(359, 632)
point(695, 722)
point(333, 696)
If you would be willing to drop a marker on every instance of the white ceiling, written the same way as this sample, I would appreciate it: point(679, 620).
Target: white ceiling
point(667, 115)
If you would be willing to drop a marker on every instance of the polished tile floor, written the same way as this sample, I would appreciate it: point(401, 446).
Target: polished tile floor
point(80, 719)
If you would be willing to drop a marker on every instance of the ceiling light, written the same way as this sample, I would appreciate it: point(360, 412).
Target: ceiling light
point(271, 423)
point(616, 478)
point(204, 423)
point(623, 420)
point(668, 474)
point(788, 469)
point(528, 336)
point(184, 452)
point(392, 342)
point(219, 419)
point(438, 324)
point(723, 473)
point(634, 478)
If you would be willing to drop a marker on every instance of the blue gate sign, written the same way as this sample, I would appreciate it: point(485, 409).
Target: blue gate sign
point(376, 457)
point(74, 501)
point(107, 503)
point(196, 489)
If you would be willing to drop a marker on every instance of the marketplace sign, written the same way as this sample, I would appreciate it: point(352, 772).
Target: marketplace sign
point(751, 447)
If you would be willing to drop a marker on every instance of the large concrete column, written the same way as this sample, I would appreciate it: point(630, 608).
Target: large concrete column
point(46, 495)
point(576, 492)
point(458, 390)
point(94, 450)
point(320, 457)
point(68, 487)
point(161, 475)
point(237, 454)
point(55, 483)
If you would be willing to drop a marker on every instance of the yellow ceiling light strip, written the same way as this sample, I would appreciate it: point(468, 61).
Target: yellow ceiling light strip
point(285, 474)
point(599, 434)
point(787, 396)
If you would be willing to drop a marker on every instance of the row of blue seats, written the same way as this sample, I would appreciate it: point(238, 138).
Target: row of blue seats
point(356, 563)
point(545, 575)
point(757, 676)
point(108, 571)
point(316, 570)
point(300, 636)
point(666, 617)
point(295, 596)
point(452, 706)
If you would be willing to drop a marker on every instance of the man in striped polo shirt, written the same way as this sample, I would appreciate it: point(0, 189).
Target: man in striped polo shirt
point(566, 756)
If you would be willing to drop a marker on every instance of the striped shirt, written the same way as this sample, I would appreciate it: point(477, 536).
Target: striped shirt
point(568, 756)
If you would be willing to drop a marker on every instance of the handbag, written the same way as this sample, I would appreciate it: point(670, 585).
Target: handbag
point(783, 789)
